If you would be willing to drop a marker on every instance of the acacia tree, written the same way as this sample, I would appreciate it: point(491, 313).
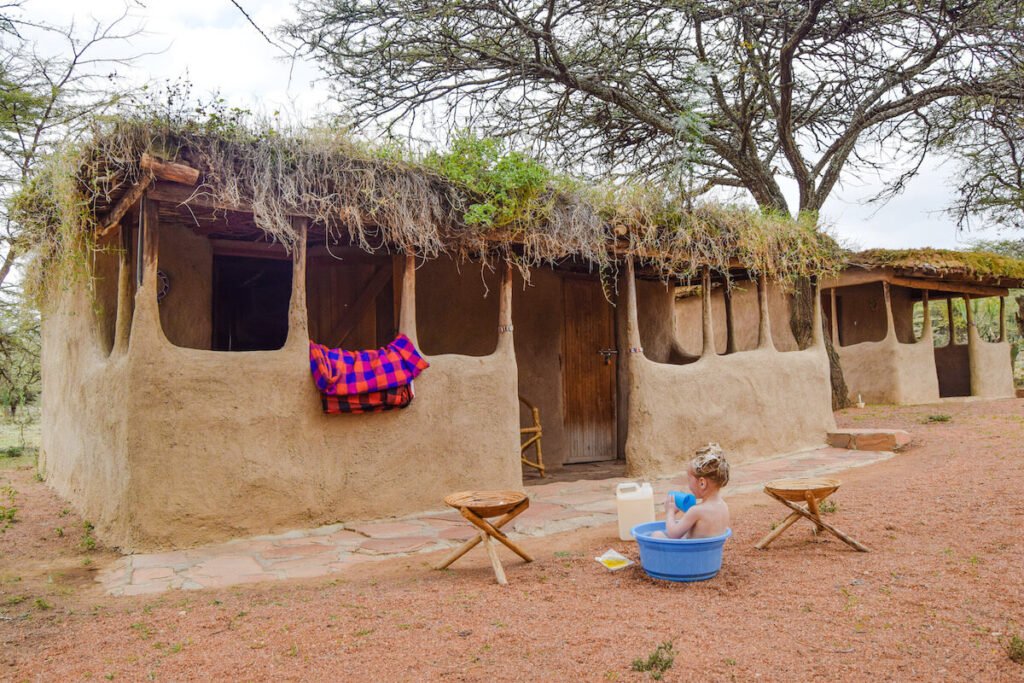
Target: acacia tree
point(46, 97)
point(699, 93)
point(987, 137)
point(49, 97)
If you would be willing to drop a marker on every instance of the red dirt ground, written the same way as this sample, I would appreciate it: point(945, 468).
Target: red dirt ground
point(939, 597)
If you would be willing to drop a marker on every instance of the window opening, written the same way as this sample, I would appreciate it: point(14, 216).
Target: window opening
point(251, 298)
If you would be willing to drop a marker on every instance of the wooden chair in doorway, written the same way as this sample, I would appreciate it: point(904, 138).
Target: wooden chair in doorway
point(533, 435)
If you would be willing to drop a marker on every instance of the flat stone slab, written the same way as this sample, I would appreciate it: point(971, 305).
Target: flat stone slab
point(387, 529)
point(869, 439)
point(388, 546)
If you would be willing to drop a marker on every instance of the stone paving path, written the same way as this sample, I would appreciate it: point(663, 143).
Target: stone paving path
point(554, 507)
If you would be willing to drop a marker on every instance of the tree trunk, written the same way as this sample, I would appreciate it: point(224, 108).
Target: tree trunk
point(800, 320)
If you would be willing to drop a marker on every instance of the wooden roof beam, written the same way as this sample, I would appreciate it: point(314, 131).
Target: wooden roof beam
point(853, 278)
point(129, 199)
point(172, 171)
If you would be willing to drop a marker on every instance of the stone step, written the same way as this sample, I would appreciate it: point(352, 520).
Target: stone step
point(869, 439)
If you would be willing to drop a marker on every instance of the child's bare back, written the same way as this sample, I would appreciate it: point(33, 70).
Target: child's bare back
point(707, 474)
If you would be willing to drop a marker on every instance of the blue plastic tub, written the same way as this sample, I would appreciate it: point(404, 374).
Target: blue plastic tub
point(678, 559)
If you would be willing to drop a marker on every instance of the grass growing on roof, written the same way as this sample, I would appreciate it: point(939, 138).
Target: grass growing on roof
point(941, 261)
point(476, 199)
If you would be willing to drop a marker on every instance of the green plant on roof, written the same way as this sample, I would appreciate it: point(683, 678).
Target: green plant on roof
point(969, 262)
point(509, 185)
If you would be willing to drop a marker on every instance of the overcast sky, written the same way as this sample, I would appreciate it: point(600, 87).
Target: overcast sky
point(212, 44)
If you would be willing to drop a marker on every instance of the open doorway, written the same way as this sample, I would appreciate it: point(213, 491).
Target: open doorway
point(250, 303)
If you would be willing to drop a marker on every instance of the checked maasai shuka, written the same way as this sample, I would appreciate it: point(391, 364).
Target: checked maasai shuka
point(345, 373)
point(372, 402)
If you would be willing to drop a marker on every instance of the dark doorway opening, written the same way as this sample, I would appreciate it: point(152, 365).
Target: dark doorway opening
point(250, 303)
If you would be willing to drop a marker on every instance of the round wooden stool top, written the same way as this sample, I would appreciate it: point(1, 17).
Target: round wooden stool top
point(796, 489)
point(485, 503)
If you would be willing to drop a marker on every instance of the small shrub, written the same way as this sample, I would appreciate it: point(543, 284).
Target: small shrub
point(827, 507)
point(8, 511)
point(937, 418)
point(658, 662)
point(1015, 650)
point(88, 541)
point(42, 604)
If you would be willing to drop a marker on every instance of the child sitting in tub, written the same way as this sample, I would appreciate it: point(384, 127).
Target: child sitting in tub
point(708, 473)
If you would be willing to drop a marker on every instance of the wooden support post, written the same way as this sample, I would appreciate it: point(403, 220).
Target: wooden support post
point(298, 317)
point(632, 317)
point(817, 325)
point(730, 325)
point(1002, 318)
point(112, 221)
point(969, 312)
point(407, 313)
point(708, 323)
point(150, 240)
point(834, 318)
point(890, 324)
point(123, 320)
point(926, 322)
point(505, 339)
point(764, 327)
point(949, 321)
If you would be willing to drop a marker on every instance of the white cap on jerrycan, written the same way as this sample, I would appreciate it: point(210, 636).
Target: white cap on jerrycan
point(635, 503)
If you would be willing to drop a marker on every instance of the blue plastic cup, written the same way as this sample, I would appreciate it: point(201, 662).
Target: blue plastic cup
point(684, 501)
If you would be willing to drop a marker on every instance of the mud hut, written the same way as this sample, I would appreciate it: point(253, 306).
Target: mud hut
point(182, 272)
point(870, 309)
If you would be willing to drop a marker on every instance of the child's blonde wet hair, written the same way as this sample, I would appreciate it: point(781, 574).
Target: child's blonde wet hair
point(709, 462)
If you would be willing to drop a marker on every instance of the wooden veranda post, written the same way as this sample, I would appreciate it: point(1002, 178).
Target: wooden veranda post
point(505, 339)
point(926, 323)
point(730, 325)
point(407, 312)
point(632, 317)
point(298, 318)
point(949, 321)
point(149, 237)
point(1002, 318)
point(764, 327)
point(708, 322)
point(834, 318)
point(123, 321)
point(817, 325)
point(890, 324)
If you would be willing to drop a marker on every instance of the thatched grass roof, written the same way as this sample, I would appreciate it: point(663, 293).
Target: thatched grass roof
point(945, 264)
point(470, 201)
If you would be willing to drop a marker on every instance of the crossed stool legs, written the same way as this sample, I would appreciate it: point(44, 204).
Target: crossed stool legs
point(811, 491)
point(475, 506)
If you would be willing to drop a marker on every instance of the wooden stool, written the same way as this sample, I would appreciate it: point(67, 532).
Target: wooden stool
point(811, 491)
point(474, 506)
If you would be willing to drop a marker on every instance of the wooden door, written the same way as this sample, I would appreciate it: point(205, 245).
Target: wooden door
point(588, 379)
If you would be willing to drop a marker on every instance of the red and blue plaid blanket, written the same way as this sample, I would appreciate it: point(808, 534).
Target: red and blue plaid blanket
point(373, 402)
point(346, 373)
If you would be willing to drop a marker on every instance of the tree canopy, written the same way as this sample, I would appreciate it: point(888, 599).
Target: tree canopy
point(987, 137)
point(734, 93)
